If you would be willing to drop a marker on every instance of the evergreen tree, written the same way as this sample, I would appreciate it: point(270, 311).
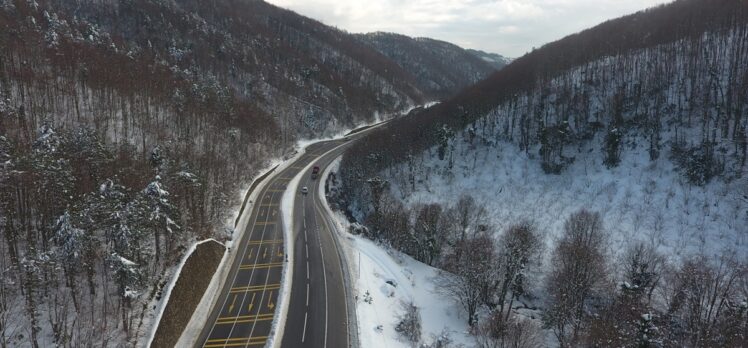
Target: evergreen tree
point(73, 246)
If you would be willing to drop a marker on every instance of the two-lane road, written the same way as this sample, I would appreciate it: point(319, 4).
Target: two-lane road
point(317, 313)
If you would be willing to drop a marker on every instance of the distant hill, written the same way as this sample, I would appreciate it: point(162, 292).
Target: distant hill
point(496, 60)
point(441, 69)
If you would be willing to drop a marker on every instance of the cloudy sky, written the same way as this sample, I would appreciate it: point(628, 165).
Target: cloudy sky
point(508, 27)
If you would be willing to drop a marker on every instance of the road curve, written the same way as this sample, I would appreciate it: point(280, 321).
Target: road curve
point(317, 313)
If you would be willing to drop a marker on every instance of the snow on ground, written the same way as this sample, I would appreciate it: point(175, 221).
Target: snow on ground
point(639, 201)
point(383, 279)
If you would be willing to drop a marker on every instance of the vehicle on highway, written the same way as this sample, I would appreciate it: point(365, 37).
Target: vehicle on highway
point(315, 172)
point(304, 190)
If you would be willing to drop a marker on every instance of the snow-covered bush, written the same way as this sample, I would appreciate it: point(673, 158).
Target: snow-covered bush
point(409, 324)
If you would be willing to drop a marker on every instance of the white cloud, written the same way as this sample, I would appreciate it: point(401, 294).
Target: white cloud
point(509, 27)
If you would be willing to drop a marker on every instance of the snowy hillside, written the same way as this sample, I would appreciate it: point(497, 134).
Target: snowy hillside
point(600, 180)
point(640, 200)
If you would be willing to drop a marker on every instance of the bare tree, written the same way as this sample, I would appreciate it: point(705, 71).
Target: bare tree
point(707, 304)
point(500, 331)
point(578, 273)
point(519, 248)
point(469, 215)
point(430, 233)
point(472, 268)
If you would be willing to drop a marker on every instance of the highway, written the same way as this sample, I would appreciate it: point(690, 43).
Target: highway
point(246, 307)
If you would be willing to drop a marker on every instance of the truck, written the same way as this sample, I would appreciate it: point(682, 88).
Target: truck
point(315, 172)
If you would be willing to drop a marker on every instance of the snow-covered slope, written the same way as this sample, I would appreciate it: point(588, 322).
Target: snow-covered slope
point(385, 280)
point(640, 200)
point(625, 139)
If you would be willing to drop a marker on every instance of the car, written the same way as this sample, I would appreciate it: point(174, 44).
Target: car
point(304, 190)
point(315, 172)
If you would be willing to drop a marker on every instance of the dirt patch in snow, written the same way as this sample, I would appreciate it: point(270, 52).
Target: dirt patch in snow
point(187, 292)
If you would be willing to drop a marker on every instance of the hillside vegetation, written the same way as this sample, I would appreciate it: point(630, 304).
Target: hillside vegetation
point(128, 129)
point(593, 191)
point(440, 68)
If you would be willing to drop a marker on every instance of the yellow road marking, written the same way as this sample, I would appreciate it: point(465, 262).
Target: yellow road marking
point(262, 265)
point(251, 303)
point(222, 345)
point(268, 205)
point(250, 253)
point(264, 223)
point(266, 241)
point(239, 289)
point(231, 306)
point(280, 251)
point(212, 340)
point(271, 305)
point(265, 253)
point(275, 212)
point(244, 319)
point(235, 342)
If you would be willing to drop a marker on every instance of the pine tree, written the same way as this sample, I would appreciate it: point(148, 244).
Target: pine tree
point(613, 148)
point(128, 276)
point(73, 246)
point(159, 213)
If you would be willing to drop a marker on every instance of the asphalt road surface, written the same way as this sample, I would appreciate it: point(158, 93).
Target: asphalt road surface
point(317, 315)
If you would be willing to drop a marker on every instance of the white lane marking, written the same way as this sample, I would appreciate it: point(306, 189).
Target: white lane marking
point(307, 294)
point(303, 334)
point(324, 276)
point(306, 246)
point(307, 270)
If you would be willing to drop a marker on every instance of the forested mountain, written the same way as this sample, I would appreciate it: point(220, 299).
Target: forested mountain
point(127, 130)
point(496, 60)
point(672, 74)
point(441, 69)
point(603, 176)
